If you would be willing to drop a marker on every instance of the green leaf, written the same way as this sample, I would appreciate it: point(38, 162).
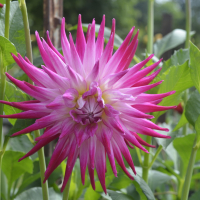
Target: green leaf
point(14, 169)
point(194, 65)
point(113, 195)
point(142, 188)
point(178, 58)
point(36, 193)
point(170, 41)
point(183, 120)
point(175, 78)
point(21, 124)
point(12, 94)
point(192, 109)
point(183, 146)
point(6, 47)
point(20, 143)
point(197, 128)
point(195, 196)
point(16, 29)
point(27, 182)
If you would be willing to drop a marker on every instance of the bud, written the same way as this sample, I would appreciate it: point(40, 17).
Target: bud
point(1, 5)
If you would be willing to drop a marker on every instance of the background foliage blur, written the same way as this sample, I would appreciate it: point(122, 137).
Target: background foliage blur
point(127, 13)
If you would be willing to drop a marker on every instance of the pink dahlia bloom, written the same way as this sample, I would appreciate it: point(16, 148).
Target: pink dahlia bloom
point(90, 101)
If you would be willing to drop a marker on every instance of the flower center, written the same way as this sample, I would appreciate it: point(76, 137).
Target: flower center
point(90, 113)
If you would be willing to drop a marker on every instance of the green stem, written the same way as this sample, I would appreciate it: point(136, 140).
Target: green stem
point(188, 177)
point(42, 164)
point(66, 190)
point(155, 156)
point(23, 8)
point(188, 23)
point(7, 17)
point(3, 69)
point(150, 26)
point(150, 32)
point(145, 167)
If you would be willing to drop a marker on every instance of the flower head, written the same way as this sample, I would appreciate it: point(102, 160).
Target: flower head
point(1, 5)
point(90, 101)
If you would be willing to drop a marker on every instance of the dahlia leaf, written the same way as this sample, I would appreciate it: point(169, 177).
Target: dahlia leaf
point(16, 31)
point(141, 186)
point(178, 58)
point(36, 193)
point(27, 182)
point(197, 128)
point(183, 146)
point(192, 109)
point(183, 120)
point(113, 195)
point(14, 169)
point(170, 41)
point(6, 47)
point(194, 65)
point(195, 196)
point(13, 94)
point(176, 78)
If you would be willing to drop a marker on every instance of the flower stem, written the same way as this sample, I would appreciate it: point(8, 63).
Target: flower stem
point(7, 17)
point(23, 8)
point(145, 167)
point(66, 190)
point(42, 163)
point(155, 156)
point(188, 22)
point(3, 69)
point(150, 32)
point(150, 26)
point(188, 177)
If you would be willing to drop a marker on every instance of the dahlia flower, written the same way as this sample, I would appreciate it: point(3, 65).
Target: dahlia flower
point(90, 101)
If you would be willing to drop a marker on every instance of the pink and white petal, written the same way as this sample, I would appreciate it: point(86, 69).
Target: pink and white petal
point(94, 74)
point(118, 156)
point(89, 56)
point(116, 58)
point(148, 107)
point(152, 97)
point(146, 80)
point(38, 146)
point(65, 44)
point(130, 79)
point(123, 148)
point(53, 48)
point(70, 97)
point(100, 162)
point(100, 40)
point(77, 81)
point(57, 103)
point(135, 91)
point(84, 149)
point(77, 64)
point(67, 127)
point(49, 132)
point(59, 65)
point(62, 82)
point(43, 53)
point(80, 39)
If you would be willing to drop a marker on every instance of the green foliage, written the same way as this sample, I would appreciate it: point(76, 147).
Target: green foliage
point(175, 78)
point(194, 65)
point(195, 196)
point(16, 27)
point(6, 47)
point(36, 193)
point(171, 40)
point(14, 169)
point(192, 109)
point(12, 94)
point(184, 145)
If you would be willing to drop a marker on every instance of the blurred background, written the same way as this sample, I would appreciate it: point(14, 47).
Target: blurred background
point(168, 14)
